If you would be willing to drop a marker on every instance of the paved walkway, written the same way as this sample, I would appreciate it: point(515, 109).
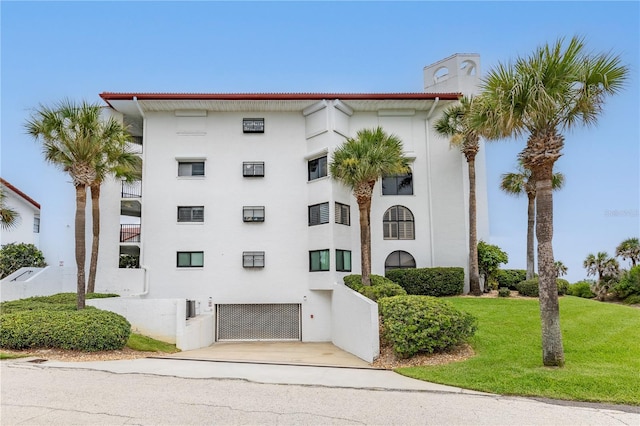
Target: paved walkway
point(283, 353)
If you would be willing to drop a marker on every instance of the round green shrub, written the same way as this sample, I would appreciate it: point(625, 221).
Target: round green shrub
point(629, 284)
point(529, 288)
point(510, 277)
point(376, 292)
point(581, 289)
point(380, 287)
point(413, 324)
point(86, 330)
point(504, 292)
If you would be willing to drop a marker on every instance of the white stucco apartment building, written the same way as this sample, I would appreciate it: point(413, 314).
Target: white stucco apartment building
point(236, 212)
point(27, 227)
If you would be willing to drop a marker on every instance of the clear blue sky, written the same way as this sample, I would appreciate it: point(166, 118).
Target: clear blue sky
point(54, 50)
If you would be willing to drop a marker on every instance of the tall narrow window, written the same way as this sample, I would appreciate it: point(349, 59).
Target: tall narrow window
point(190, 259)
point(397, 224)
point(343, 214)
point(253, 169)
point(318, 214)
point(191, 214)
point(317, 168)
point(36, 225)
point(343, 260)
point(191, 168)
point(253, 259)
point(319, 260)
point(398, 184)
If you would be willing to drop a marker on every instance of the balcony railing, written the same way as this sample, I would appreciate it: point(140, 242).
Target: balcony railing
point(129, 233)
point(132, 189)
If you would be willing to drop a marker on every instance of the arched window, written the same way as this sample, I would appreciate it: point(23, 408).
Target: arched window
point(397, 224)
point(399, 260)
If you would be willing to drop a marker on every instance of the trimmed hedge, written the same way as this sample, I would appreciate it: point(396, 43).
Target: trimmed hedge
point(510, 277)
point(87, 330)
point(380, 287)
point(435, 282)
point(530, 288)
point(414, 324)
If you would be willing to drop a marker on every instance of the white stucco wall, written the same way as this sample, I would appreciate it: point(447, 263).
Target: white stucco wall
point(354, 323)
point(22, 232)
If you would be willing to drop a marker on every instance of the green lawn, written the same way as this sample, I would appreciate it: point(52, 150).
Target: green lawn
point(601, 343)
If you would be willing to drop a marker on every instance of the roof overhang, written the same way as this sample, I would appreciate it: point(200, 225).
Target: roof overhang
point(20, 194)
point(136, 103)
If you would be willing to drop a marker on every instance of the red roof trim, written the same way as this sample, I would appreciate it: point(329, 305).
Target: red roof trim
point(20, 193)
point(109, 96)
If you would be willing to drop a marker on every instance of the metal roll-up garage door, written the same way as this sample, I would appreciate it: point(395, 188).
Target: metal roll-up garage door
point(274, 321)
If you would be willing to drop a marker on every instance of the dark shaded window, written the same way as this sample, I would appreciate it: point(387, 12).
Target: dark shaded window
point(318, 168)
point(397, 224)
point(191, 168)
point(253, 125)
point(253, 169)
point(398, 184)
point(318, 214)
point(399, 260)
point(191, 214)
point(343, 214)
point(343, 260)
point(319, 260)
point(253, 213)
point(253, 259)
point(190, 259)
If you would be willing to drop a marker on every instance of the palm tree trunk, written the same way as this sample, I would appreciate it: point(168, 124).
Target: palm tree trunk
point(531, 223)
point(552, 349)
point(365, 240)
point(81, 205)
point(474, 273)
point(95, 243)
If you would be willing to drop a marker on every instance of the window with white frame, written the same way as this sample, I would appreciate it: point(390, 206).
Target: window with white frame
point(253, 169)
point(190, 259)
point(190, 213)
point(253, 213)
point(398, 224)
point(253, 125)
point(343, 260)
point(343, 214)
point(253, 259)
point(398, 184)
point(318, 214)
point(317, 168)
point(319, 260)
point(190, 168)
point(36, 225)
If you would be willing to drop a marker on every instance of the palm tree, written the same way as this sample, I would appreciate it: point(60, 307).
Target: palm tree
point(561, 269)
point(629, 249)
point(605, 267)
point(522, 182)
point(557, 88)
point(116, 161)
point(76, 139)
point(8, 216)
point(358, 163)
point(454, 124)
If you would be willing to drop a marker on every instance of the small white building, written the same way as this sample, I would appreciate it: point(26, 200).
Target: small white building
point(27, 228)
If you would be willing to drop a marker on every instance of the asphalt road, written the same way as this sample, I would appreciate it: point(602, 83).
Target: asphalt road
point(33, 394)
